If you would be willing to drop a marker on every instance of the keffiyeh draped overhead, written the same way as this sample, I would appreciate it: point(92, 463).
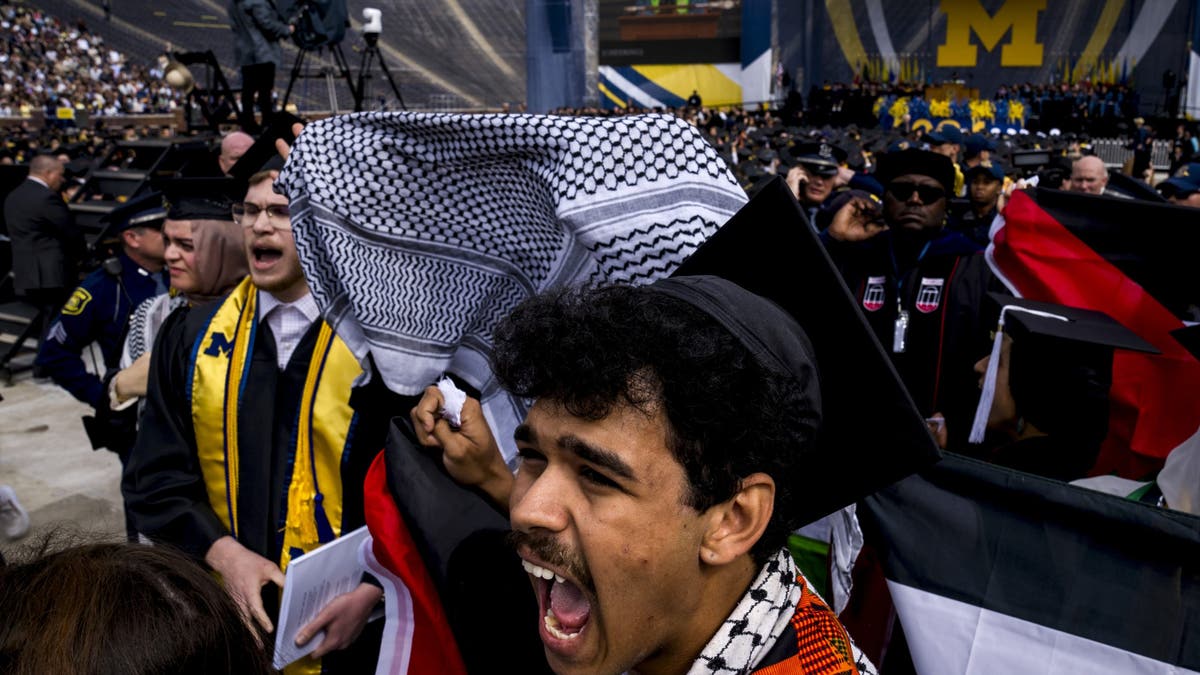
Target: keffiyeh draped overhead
point(418, 232)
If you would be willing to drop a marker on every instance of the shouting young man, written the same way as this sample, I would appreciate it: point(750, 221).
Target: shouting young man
point(679, 432)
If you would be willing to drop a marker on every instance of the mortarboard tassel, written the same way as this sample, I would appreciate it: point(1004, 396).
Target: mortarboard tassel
point(979, 426)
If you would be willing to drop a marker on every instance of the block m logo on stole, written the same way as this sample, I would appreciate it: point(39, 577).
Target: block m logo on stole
point(965, 16)
point(218, 345)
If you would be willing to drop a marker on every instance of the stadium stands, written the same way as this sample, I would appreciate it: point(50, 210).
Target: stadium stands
point(469, 54)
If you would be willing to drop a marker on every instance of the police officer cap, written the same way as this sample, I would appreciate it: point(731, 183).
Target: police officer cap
point(947, 134)
point(989, 168)
point(201, 198)
point(822, 157)
point(977, 143)
point(1185, 181)
point(144, 211)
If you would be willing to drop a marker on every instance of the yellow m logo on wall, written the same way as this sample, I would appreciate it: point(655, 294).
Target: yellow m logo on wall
point(964, 17)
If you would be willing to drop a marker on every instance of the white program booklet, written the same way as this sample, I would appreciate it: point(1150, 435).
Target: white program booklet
point(312, 580)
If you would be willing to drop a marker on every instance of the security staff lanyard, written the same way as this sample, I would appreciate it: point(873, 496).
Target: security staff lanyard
point(900, 328)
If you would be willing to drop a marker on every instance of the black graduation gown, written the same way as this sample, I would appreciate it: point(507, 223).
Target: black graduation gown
point(162, 484)
point(943, 293)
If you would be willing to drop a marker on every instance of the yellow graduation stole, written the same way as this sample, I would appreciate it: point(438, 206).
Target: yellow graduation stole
point(221, 358)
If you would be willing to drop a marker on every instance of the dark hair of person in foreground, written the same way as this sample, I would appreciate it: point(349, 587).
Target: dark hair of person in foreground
point(594, 350)
point(120, 608)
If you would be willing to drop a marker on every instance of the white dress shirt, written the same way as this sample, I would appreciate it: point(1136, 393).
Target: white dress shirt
point(288, 321)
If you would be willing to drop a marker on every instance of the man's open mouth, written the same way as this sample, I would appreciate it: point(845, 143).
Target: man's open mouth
point(566, 607)
point(265, 255)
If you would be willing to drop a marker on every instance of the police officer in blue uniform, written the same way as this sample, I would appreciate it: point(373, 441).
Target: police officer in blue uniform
point(98, 312)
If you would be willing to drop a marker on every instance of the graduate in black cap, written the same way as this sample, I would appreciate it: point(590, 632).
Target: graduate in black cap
point(679, 432)
point(1045, 386)
point(98, 312)
point(919, 284)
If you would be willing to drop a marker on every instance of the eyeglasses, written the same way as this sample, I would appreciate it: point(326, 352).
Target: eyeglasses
point(928, 194)
point(246, 215)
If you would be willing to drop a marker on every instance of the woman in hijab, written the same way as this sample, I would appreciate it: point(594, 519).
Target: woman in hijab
point(205, 258)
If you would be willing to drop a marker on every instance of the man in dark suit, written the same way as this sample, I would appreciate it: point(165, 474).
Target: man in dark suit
point(46, 246)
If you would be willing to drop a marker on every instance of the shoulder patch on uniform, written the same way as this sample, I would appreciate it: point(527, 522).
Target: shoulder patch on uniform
point(78, 300)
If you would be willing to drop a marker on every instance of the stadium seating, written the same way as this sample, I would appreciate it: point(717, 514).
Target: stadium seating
point(432, 52)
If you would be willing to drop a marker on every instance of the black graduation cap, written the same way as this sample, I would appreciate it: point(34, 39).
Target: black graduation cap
point(1079, 326)
point(144, 211)
point(871, 434)
point(201, 198)
point(262, 155)
point(1060, 367)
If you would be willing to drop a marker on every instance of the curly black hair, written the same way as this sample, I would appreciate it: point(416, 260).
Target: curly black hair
point(595, 349)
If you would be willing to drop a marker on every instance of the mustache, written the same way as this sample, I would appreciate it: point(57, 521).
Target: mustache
point(553, 552)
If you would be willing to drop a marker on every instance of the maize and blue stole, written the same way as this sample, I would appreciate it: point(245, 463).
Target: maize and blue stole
point(221, 356)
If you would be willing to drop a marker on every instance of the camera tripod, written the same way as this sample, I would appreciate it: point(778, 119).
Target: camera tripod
point(371, 53)
point(340, 69)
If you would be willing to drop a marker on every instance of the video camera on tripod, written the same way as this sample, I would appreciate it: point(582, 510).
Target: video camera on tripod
point(318, 22)
point(320, 25)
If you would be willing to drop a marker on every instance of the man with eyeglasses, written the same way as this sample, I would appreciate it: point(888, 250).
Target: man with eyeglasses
point(919, 284)
point(249, 484)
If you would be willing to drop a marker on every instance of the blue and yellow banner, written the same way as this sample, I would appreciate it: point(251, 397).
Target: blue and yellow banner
point(986, 44)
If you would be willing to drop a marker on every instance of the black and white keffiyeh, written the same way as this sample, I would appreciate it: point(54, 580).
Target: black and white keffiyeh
point(144, 323)
point(752, 628)
point(762, 615)
point(418, 232)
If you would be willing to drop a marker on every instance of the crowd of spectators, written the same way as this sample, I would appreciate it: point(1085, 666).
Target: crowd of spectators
point(1096, 108)
point(50, 65)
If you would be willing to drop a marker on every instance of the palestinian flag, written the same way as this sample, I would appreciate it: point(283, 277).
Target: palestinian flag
point(1132, 260)
point(996, 571)
point(416, 634)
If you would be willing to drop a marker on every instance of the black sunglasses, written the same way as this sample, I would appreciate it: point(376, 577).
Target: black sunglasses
point(928, 194)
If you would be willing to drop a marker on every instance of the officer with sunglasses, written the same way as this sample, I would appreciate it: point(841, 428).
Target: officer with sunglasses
point(919, 284)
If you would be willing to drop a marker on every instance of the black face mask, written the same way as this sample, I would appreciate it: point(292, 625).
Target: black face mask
point(928, 194)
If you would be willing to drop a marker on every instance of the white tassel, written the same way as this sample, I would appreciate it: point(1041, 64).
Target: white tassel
point(979, 426)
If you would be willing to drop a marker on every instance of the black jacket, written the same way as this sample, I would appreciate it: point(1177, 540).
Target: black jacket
point(942, 291)
point(46, 246)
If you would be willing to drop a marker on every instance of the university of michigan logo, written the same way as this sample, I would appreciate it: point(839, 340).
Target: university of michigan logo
point(964, 17)
point(218, 345)
point(992, 34)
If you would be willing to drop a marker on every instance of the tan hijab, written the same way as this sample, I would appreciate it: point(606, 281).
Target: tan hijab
point(220, 261)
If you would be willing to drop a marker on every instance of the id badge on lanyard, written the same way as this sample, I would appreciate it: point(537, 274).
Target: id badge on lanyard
point(900, 329)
